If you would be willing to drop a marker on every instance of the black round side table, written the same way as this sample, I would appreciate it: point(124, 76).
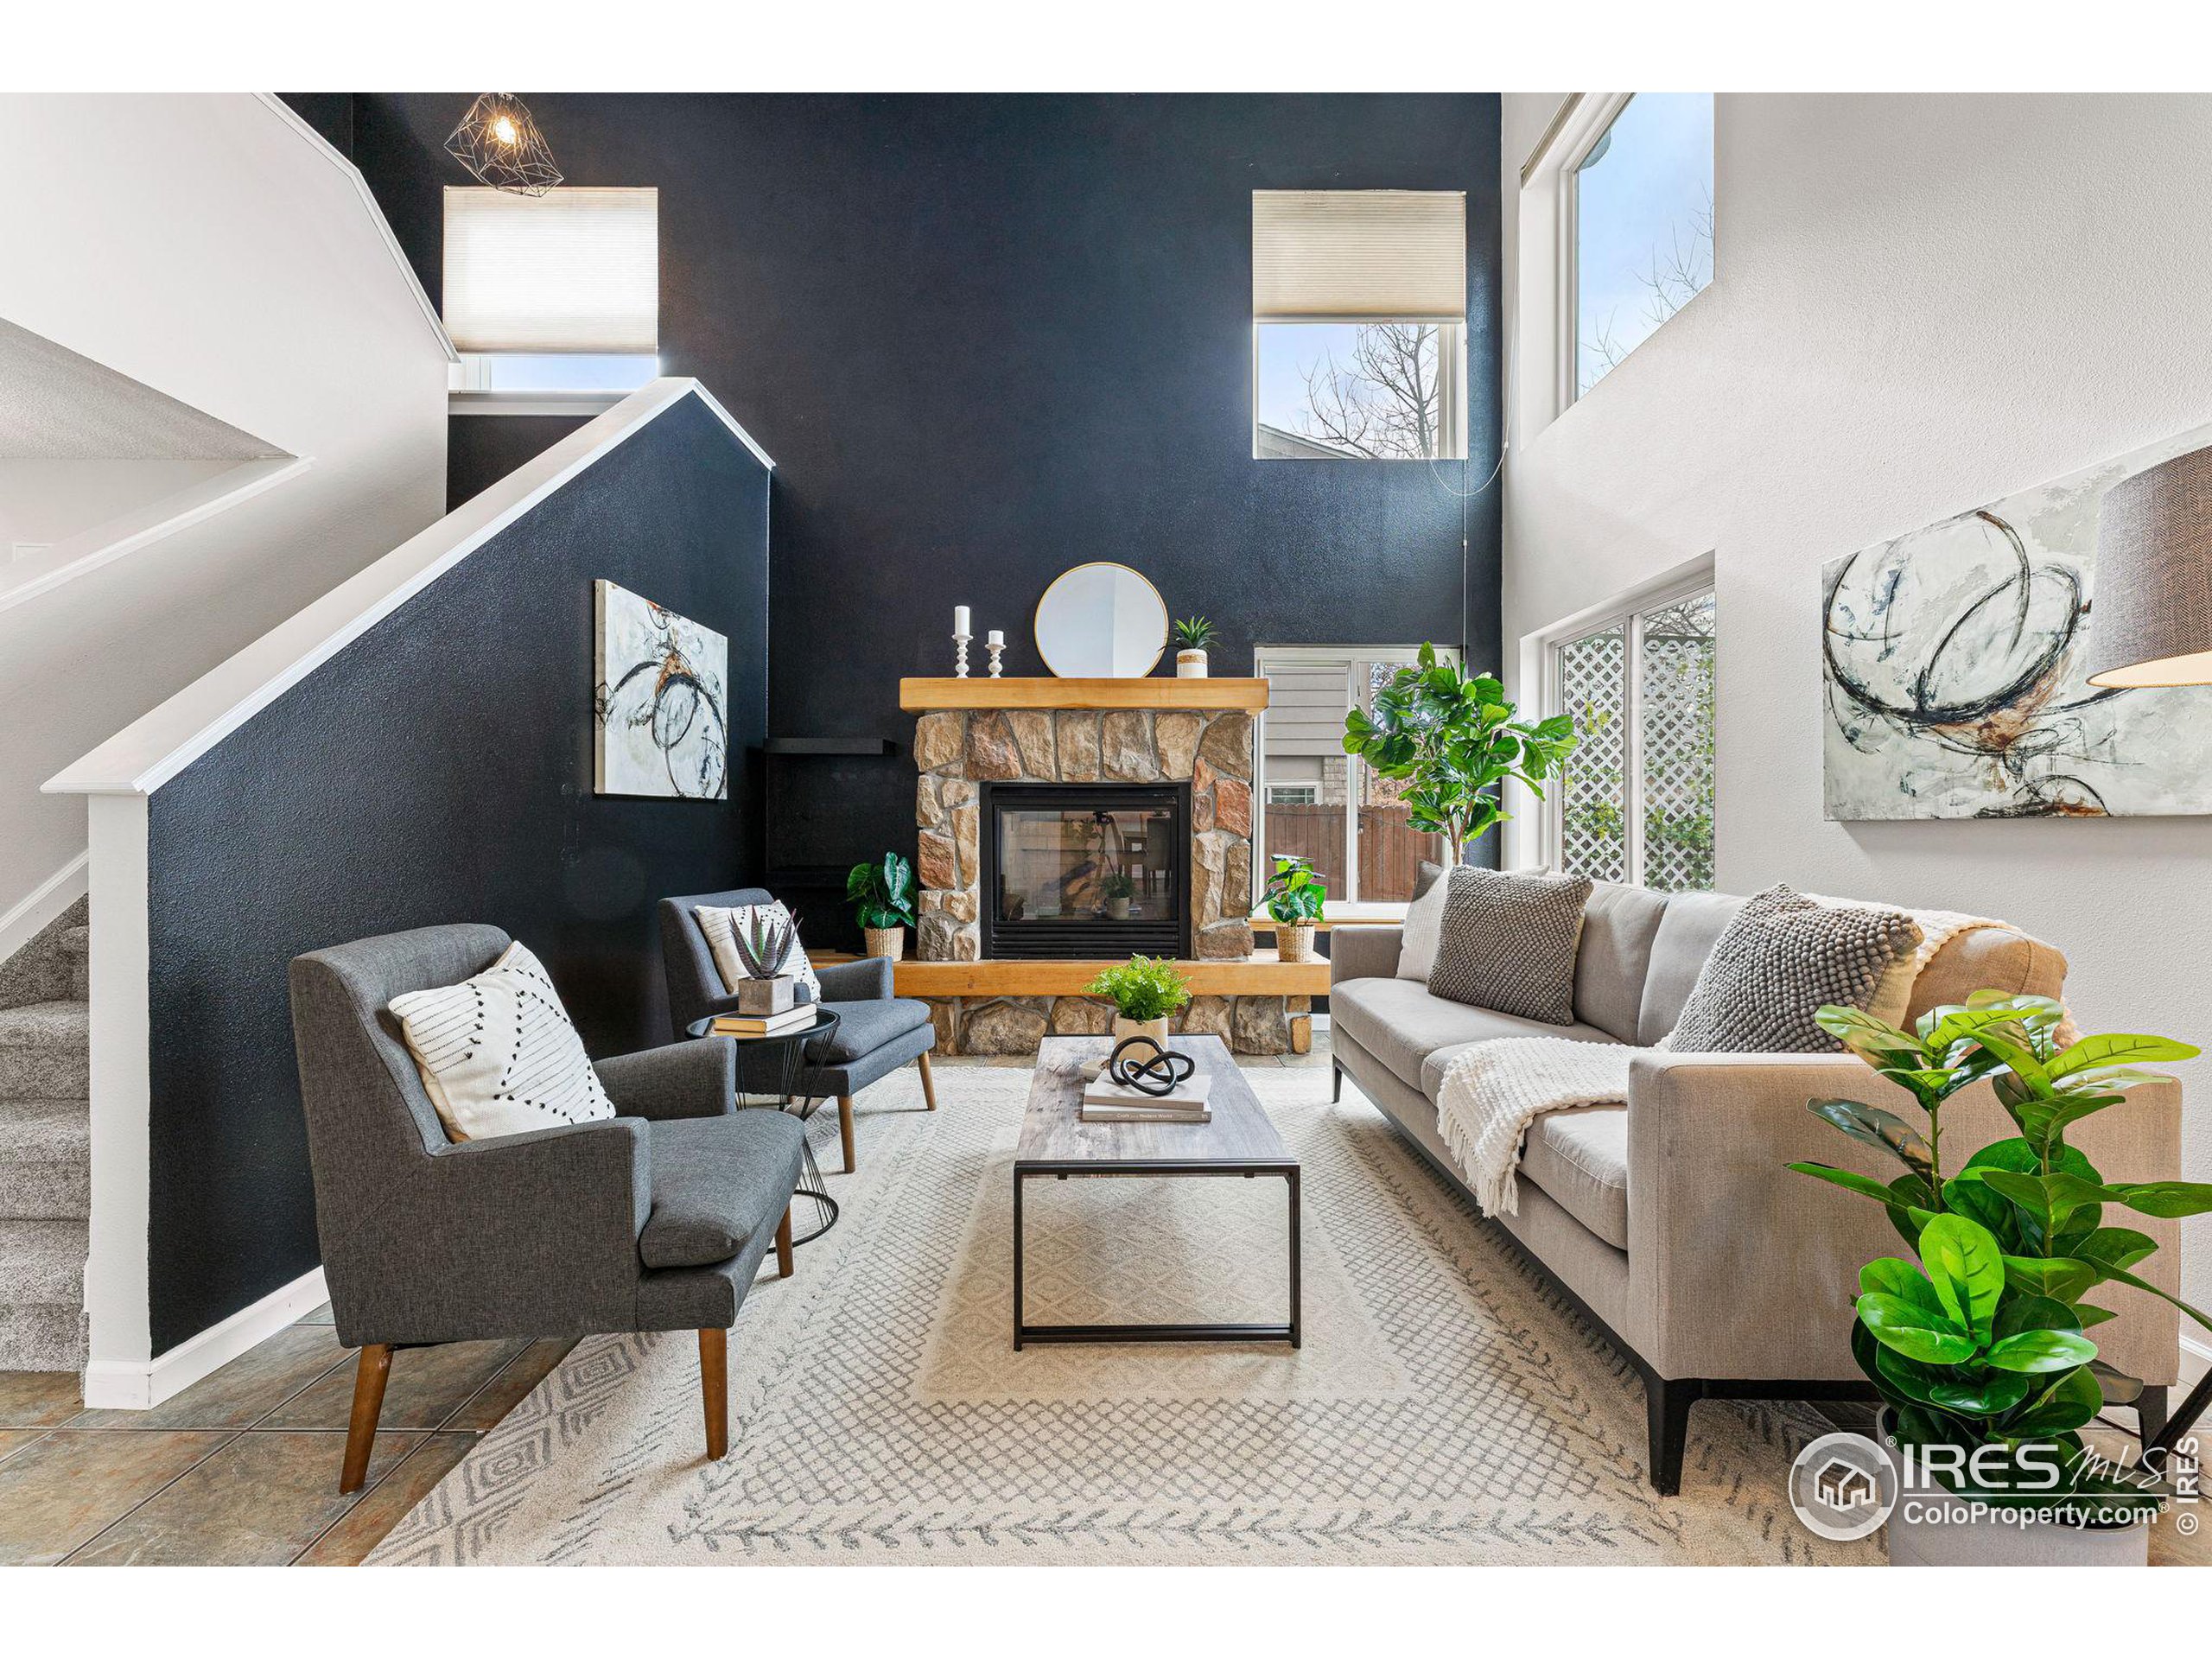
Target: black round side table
point(767, 1076)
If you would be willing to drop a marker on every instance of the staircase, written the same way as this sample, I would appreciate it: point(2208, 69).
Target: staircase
point(45, 1148)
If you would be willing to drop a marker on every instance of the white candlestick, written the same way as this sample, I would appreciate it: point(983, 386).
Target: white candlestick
point(960, 655)
point(996, 637)
point(994, 644)
point(959, 620)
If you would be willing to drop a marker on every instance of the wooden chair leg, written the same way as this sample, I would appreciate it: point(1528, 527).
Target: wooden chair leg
point(714, 1388)
point(845, 1129)
point(784, 1245)
point(929, 1083)
point(369, 1378)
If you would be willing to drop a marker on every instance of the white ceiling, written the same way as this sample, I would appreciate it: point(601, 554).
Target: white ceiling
point(56, 405)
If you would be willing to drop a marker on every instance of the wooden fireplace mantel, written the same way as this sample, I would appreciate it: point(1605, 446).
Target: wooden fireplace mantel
point(920, 696)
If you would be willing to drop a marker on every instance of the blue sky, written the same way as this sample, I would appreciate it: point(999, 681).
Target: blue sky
point(1643, 193)
point(1286, 350)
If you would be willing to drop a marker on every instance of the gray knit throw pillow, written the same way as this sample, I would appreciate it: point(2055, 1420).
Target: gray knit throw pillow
point(1781, 958)
point(1508, 943)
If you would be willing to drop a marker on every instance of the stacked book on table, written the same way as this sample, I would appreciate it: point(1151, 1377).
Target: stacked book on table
point(748, 1025)
point(1105, 1101)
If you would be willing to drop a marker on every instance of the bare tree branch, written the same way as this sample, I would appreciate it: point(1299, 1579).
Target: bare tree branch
point(1388, 404)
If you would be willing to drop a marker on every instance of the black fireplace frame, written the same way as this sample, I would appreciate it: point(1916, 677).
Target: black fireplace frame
point(1099, 938)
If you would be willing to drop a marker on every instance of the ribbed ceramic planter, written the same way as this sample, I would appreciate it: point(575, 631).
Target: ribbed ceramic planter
point(886, 942)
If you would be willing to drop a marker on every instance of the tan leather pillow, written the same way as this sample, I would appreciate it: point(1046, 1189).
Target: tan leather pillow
point(1987, 959)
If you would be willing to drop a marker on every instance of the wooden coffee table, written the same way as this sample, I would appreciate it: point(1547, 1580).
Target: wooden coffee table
point(1239, 1141)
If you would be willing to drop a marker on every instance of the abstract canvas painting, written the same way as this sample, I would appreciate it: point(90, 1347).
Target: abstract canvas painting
point(1951, 665)
point(660, 700)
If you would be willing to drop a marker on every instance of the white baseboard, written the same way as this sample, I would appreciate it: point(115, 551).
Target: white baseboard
point(45, 902)
point(2196, 1360)
point(138, 1385)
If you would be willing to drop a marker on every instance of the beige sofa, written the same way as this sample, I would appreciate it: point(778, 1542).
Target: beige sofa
point(1671, 1221)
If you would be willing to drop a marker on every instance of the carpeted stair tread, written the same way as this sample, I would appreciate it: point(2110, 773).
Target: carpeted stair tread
point(46, 1051)
point(75, 943)
point(43, 1261)
point(46, 1025)
point(44, 1337)
point(44, 1131)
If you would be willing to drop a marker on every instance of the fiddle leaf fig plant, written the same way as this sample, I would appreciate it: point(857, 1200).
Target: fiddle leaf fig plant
point(1454, 738)
point(1981, 1345)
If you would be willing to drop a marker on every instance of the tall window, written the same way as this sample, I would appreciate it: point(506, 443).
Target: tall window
point(1634, 803)
point(1642, 213)
point(553, 293)
point(1359, 310)
point(1319, 804)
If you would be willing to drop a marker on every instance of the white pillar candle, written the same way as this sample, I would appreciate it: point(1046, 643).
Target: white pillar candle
point(960, 618)
point(997, 637)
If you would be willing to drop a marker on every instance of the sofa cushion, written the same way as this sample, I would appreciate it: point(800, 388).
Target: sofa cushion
point(1440, 1060)
point(863, 1027)
point(1619, 925)
point(1581, 1158)
point(1508, 943)
point(716, 1181)
point(1685, 938)
point(1402, 1025)
point(1783, 957)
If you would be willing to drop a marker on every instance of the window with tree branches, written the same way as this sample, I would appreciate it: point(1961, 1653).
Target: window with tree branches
point(1643, 225)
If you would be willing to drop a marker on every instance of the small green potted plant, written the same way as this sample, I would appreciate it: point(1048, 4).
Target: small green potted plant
point(1453, 736)
point(1979, 1349)
point(1294, 898)
point(1193, 635)
point(882, 896)
point(1146, 992)
point(1117, 890)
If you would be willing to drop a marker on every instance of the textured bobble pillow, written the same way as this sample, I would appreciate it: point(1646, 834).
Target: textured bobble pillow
point(1508, 943)
point(721, 926)
point(1784, 957)
point(498, 1054)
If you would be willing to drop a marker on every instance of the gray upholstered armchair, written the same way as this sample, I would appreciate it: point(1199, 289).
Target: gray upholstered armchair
point(656, 1219)
point(877, 1032)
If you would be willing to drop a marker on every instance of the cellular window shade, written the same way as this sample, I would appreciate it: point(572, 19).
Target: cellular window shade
point(1324, 254)
point(572, 270)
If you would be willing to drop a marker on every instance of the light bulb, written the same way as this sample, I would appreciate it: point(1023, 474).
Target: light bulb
point(504, 130)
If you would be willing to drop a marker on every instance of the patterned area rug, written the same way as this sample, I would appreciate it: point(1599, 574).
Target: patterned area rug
point(1445, 1408)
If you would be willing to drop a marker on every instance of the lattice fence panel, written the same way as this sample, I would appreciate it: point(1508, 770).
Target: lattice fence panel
point(1676, 744)
point(1593, 822)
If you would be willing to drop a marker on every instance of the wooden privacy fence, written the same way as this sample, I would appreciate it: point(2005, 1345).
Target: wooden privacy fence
point(1391, 848)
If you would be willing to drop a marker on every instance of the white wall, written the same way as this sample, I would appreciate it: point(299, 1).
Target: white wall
point(202, 245)
point(53, 501)
point(1922, 304)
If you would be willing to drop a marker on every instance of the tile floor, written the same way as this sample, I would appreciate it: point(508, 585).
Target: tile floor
point(241, 1469)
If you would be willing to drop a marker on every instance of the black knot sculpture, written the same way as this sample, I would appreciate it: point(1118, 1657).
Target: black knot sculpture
point(1140, 1064)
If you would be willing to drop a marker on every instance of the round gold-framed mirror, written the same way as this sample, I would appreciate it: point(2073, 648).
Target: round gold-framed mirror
point(1101, 621)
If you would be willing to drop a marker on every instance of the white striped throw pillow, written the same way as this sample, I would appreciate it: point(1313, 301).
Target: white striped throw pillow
point(498, 1054)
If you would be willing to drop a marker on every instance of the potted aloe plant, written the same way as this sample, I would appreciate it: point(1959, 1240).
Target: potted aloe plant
point(1146, 992)
point(1193, 635)
point(1294, 898)
point(882, 896)
point(1980, 1348)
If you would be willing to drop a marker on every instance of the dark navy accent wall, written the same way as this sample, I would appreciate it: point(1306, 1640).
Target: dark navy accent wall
point(438, 769)
point(987, 338)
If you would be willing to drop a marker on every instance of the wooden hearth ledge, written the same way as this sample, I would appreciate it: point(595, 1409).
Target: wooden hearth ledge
point(920, 696)
point(1262, 974)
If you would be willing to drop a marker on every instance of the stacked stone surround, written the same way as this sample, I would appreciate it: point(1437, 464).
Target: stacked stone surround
point(955, 750)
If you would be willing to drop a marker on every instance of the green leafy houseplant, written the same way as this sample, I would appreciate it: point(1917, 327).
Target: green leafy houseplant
point(1295, 895)
point(882, 893)
point(1455, 739)
point(1196, 633)
point(1143, 988)
point(1117, 886)
point(1979, 1349)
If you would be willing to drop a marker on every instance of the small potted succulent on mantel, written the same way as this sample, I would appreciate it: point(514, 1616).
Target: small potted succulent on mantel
point(1146, 992)
point(882, 896)
point(1193, 635)
point(1979, 1349)
point(1293, 900)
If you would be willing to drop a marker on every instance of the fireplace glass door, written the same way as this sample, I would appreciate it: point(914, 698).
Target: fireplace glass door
point(1085, 871)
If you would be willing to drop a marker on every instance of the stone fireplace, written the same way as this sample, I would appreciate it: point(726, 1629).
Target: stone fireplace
point(1196, 766)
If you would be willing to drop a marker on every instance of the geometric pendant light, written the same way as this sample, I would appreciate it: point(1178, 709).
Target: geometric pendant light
point(499, 142)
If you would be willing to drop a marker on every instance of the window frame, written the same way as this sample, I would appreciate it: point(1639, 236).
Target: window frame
point(1323, 657)
point(1585, 119)
point(1626, 612)
point(1452, 385)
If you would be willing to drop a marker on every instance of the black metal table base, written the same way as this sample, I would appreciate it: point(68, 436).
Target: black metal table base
point(814, 1212)
point(1024, 1333)
point(767, 1072)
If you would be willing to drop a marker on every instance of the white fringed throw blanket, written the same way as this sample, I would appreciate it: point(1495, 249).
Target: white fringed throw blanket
point(1494, 1090)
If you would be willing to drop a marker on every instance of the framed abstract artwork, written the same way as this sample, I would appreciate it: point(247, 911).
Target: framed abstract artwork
point(660, 703)
point(1951, 664)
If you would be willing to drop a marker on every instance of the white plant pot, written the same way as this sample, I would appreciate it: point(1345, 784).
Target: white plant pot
point(1926, 1530)
point(1189, 665)
point(1155, 1029)
point(1117, 910)
point(886, 942)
